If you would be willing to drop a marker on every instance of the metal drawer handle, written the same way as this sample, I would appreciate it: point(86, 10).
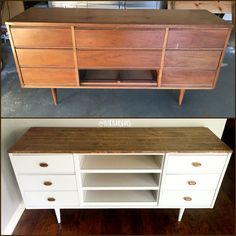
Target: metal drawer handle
point(196, 164)
point(47, 183)
point(43, 164)
point(191, 182)
point(51, 199)
point(187, 199)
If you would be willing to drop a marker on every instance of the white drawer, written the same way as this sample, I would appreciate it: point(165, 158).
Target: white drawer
point(44, 164)
point(48, 182)
point(47, 199)
point(194, 164)
point(191, 182)
point(186, 198)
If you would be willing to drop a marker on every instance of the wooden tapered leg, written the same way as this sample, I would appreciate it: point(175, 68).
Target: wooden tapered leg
point(54, 95)
point(181, 96)
point(181, 212)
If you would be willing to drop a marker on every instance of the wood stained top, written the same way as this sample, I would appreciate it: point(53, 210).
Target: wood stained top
point(107, 16)
point(118, 140)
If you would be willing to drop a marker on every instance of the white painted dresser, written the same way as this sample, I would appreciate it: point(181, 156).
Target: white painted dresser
point(119, 168)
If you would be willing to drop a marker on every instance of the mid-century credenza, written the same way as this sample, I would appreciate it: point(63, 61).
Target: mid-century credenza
point(155, 168)
point(118, 49)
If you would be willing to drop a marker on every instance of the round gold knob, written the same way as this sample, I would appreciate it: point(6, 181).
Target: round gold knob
point(51, 199)
point(191, 182)
point(187, 199)
point(196, 164)
point(47, 183)
point(43, 164)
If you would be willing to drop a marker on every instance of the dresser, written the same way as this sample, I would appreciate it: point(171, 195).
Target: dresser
point(118, 49)
point(59, 168)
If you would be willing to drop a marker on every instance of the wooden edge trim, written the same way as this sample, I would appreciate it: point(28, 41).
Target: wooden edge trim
point(75, 55)
point(221, 58)
point(15, 56)
point(162, 57)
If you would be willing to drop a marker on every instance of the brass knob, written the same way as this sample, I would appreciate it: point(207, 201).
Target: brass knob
point(196, 164)
point(51, 199)
point(187, 199)
point(43, 164)
point(191, 182)
point(47, 183)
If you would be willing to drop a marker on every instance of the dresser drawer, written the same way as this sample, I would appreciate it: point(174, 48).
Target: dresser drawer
point(199, 38)
point(41, 37)
point(191, 182)
point(187, 78)
point(207, 60)
point(118, 59)
point(48, 77)
point(186, 198)
point(48, 182)
point(45, 57)
point(48, 199)
point(118, 38)
point(40, 164)
point(195, 164)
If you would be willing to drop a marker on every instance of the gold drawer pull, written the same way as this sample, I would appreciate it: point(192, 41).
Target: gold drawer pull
point(51, 199)
point(191, 182)
point(196, 164)
point(47, 183)
point(43, 164)
point(187, 199)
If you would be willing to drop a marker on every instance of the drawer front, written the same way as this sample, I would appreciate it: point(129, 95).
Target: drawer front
point(48, 182)
point(40, 164)
point(191, 182)
point(207, 60)
point(119, 38)
point(45, 57)
point(48, 76)
point(41, 37)
point(50, 199)
point(119, 59)
point(212, 38)
point(186, 198)
point(180, 78)
point(195, 164)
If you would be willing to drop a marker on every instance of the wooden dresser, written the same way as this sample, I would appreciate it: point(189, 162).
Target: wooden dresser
point(119, 168)
point(125, 49)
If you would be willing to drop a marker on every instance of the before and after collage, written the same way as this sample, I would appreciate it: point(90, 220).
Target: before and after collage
point(117, 117)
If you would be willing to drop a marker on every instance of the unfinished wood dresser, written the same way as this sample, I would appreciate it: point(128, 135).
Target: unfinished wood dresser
point(80, 168)
point(125, 49)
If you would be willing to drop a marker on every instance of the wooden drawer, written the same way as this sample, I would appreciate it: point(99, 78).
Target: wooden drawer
point(181, 78)
point(207, 60)
point(45, 57)
point(186, 198)
point(48, 76)
point(61, 199)
point(118, 59)
point(44, 164)
point(199, 38)
point(48, 182)
point(41, 37)
point(118, 38)
point(191, 182)
point(195, 164)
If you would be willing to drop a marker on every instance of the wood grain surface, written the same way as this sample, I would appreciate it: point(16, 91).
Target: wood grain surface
point(118, 140)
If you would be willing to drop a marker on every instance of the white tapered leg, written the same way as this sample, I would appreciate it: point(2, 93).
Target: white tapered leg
point(58, 215)
point(181, 212)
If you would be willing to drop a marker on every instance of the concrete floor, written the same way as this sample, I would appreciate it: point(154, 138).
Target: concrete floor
point(17, 102)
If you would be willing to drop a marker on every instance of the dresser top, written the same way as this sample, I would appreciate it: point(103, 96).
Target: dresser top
point(75, 16)
point(118, 140)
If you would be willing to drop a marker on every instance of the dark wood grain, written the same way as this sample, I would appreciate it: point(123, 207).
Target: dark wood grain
point(118, 140)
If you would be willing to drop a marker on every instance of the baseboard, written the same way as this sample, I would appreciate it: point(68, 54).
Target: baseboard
point(14, 219)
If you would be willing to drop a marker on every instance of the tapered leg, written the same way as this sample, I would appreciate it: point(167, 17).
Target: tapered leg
point(181, 212)
point(181, 96)
point(58, 215)
point(54, 95)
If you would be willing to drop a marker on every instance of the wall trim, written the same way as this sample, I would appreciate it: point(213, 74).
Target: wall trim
point(14, 219)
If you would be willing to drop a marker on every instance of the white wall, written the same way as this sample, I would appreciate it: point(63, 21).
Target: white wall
point(12, 129)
